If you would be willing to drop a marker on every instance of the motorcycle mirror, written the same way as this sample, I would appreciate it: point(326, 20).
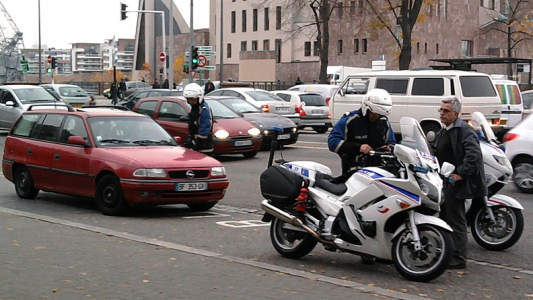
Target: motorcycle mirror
point(430, 136)
point(447, 169)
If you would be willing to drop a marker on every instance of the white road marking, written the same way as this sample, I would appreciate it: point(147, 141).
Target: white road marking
point(243, 224)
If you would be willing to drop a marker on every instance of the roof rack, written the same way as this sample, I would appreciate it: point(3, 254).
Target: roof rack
point(107, 107)
point(69, 108)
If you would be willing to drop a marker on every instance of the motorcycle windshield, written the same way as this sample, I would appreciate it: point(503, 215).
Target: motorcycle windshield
point(482, 127)
point(413, 136)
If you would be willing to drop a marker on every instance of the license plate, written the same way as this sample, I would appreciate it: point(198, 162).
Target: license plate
point(243, 143)
point(284, 136)
point(282, 109)
point(191, 186)
point(317, 111)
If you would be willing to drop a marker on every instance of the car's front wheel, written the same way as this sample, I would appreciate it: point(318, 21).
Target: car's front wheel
point(523, 175)
point(109, 196)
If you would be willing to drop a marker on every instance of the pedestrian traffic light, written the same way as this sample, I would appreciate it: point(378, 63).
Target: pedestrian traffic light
point(54, 62)
point(194, 58)
point(49, 59)
point(123, 8)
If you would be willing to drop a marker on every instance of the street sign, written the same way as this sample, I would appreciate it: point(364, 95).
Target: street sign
point(207, 68)
point(162, 56)
point(192, 72)
point(207, 52)
point(204, 48)
point(202, 61)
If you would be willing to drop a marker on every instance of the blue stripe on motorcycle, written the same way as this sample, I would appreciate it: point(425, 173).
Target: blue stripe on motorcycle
point(407, 194)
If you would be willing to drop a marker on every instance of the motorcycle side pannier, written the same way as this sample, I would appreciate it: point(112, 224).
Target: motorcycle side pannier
point(280, 185)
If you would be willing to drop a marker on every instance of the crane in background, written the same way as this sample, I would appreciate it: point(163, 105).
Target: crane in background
point(11, 59)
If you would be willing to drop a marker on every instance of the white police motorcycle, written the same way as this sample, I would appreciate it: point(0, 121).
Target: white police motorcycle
point(385, 212)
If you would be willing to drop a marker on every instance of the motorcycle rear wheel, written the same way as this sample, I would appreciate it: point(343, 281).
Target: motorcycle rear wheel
point(429, 262)
point(290, 243)
point(503, 234)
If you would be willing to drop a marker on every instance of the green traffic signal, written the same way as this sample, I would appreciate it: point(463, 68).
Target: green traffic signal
point(49, 70)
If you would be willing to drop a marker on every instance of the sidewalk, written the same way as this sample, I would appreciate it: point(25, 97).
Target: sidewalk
point(48, 258)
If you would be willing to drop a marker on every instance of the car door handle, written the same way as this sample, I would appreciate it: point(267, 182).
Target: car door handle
point(57, 156)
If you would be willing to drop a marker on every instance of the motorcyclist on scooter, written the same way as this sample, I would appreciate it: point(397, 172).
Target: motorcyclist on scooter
point(360, 131)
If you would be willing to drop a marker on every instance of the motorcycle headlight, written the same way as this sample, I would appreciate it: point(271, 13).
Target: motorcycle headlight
point(254, 132)
point(221, 134)
point(500, 159)
point(428, 189)
point(157, 173)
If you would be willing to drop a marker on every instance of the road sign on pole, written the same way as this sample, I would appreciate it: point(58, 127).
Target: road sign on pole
point(192, 72)
point(207, 52)
point(202, 61)
point(204, 48)
point(162, 56)
point(207, 68)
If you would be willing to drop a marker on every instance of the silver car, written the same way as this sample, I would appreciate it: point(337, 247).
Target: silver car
point(310, 109)
point(70, 94)
point(15, 99)
point(262, 99)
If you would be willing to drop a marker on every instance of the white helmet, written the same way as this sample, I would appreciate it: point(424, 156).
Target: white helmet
point(193, 90)
point(377, 101)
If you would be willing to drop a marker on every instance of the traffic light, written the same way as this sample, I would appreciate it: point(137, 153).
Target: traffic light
point(49, 59)
point(194, 58)
point(123, 8)
point(54, 62)
point(49, 70)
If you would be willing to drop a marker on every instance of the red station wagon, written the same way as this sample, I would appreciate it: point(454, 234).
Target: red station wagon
point(232, 134)
point(118, 157)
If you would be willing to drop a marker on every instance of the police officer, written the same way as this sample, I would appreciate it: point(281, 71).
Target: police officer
point(200, 120)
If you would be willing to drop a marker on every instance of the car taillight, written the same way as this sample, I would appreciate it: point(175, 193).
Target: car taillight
point(329, 116)
point(265, 108)
point(509, 137)
point(299, 110)
point(496, 122)
point(327, 100)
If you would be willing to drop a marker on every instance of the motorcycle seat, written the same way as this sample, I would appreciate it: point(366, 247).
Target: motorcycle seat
point(324, 181)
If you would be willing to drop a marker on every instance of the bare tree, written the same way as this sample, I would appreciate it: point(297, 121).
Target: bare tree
point(514, 23)
point(405, 13)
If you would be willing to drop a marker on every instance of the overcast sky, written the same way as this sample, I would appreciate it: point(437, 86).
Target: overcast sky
point(72, 21)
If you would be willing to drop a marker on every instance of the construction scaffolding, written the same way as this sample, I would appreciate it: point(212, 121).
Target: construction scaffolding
point(11, 43)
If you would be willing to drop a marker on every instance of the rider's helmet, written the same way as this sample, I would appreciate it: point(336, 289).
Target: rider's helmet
point(377, 101)
point(192, 91)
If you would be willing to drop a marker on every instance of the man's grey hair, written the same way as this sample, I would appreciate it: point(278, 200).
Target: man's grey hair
point(456, 104)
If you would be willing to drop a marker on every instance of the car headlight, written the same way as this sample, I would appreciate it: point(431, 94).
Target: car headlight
point(254, 132)
point(294, 129)
point(159, 173)
point(221, 134)
point(218, 171)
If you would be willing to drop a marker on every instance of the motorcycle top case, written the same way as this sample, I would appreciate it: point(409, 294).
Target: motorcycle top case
point(280, 185)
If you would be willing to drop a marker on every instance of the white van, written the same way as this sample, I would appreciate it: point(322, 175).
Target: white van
point(418, 94)
point(511, 101)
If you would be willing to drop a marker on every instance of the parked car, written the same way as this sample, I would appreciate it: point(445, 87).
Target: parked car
point(232, 134)
point(527, 98)
point(15, 99)
point(263, 121)
point(131, 87)
point(310, 109)
point(264, 100)
point(519, 149)
point(326, 90)
point(70, 94)
point(132, 99)
point(116, 156)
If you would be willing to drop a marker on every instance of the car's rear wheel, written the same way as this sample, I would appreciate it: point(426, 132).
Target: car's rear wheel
point(24, 185)
point(523, 175)
point(320, 129)
point(109, 196)
point(202, 206)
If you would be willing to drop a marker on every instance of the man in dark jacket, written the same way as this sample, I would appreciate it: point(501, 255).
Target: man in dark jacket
point(360, 131)
point(458, 144)
point(200, 120)
point(209, 86)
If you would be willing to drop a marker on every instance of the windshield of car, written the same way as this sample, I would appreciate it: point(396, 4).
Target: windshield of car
point(263, 96)
point(220, 111)
point(113, 131)
point(33, 95)
point(72, 91)
point(239, 105)
point(313, 99)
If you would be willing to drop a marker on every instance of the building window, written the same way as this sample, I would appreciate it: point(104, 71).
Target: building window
point(233, 22)
point(254, 45)
point(228, 51)
point(339, 9)
point(278, 17)
point(418, 48)
point(254, 17)
point(437, 48)
point(244, 21)
point(356, 46)
point(266, 45)
point(466, 48)
point(278, 50)
point(425, 48)
point(316, 49)
point(307, 49)
point(267, 19)
point(339, 46)
point(361, 7)
point(352, 8)
point(243, 46)
point(365, 45)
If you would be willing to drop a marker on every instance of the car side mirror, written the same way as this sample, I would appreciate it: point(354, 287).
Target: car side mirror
point(341, 92)
point(430, 136)
point(11, 103)
point(77, 140)
point(178, 140)
point(447, 169)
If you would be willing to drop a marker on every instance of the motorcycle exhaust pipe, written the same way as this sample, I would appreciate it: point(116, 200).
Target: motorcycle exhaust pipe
point(293, 220)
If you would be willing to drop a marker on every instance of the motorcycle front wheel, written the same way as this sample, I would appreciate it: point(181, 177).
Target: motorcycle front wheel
point(290, 243)
point(430, 261)
point(503, 233)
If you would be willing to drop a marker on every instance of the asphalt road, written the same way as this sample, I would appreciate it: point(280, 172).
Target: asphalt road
point(233, 228)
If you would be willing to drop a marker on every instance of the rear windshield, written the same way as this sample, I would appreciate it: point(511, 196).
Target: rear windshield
point(263, 96)
point(512, 96)
point(313, 99)
point(477, 86)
